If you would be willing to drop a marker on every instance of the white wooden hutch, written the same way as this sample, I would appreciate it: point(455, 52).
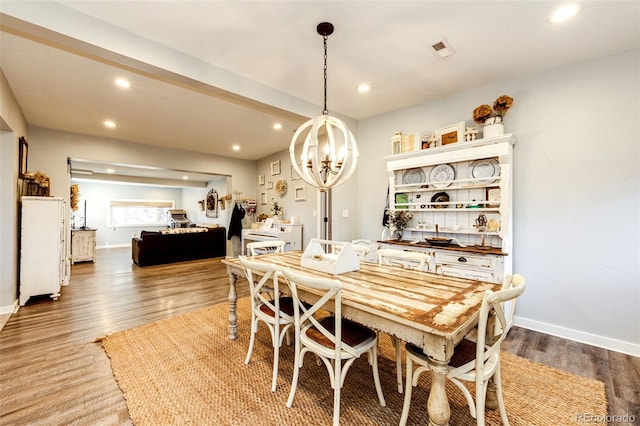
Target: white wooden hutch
point(451, 186)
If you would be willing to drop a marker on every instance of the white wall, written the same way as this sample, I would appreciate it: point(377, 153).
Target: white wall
point(577, 192)
point(97, 196)
point(306, 211)
point(191, 196)
point(49, 150)
point(13, 125)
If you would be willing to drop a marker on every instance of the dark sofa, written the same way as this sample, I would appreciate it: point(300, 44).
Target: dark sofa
point(156, 248)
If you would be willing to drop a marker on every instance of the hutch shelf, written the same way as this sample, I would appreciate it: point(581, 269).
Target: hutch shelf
point(461, 192)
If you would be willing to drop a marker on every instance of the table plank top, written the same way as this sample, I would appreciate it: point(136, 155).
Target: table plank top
point(435, 304)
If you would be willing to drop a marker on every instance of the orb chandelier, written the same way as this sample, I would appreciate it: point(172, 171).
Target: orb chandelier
point(329, 152)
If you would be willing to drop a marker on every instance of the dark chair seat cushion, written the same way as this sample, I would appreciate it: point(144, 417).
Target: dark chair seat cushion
point(352, 333)
point(286, 306)
point(465, 352)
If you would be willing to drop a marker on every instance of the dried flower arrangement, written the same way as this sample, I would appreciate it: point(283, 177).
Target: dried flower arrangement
point(74, 196)
point(399, 219)
point(500, 108)
point(276, 209)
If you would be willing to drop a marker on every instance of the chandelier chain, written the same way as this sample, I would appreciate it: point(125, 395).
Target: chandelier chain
point(325, 111)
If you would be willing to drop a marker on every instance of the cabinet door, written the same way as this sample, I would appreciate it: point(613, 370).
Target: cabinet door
point(83, 244)
point(42, 247)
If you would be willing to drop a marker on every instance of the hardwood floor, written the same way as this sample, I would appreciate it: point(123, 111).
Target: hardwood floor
point(51, 372)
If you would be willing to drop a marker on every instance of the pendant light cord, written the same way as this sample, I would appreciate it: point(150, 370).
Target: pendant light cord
point(325, 111)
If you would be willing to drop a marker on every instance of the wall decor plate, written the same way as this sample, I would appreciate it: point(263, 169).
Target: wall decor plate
point(281, 187)
point(483, 170)
point(413, 176)
point(442, 175)
point(440, 197)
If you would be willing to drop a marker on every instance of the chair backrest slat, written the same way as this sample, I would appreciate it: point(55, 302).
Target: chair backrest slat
point(336, 247)
point(327, 289)
point(407, 259)
point(512, 288)
point(264, 247)
point(267, 287)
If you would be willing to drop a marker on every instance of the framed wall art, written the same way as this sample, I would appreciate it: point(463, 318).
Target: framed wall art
point(275, 168)
point(451, 134)
point(493, 197)
point(261, 180)
point(294, 174)
point(211, 203)
point(270, 184)
point(263, 198)
point(24, 153)
point(300, 193)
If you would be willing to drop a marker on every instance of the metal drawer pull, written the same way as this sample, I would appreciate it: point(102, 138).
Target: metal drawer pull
point(462, 259)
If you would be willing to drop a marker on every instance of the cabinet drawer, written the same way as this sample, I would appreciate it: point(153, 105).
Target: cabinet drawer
point(472, 274)
point(464, 259)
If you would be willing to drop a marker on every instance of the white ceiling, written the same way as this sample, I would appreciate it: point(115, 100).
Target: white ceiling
point(236, 67)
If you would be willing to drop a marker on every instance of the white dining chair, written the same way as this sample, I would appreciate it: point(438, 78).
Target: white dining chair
point(332, 339)
point(418, 260)
point(361, 250)
point(267, 306)
point(264, 247)
point(473, 361)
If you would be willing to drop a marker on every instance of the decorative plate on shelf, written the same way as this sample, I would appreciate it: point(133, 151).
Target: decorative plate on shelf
point(440, 197)
point(442, 175)
point(481, 170)
point(413, 176)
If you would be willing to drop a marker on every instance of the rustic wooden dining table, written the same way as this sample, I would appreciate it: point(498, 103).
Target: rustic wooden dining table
point(432, 311)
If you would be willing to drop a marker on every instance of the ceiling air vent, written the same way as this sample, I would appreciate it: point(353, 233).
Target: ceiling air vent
point(442, 49)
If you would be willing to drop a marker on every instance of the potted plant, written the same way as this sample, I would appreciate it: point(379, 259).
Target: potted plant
point(491, 117)
point(276, 209)
point(398, 221)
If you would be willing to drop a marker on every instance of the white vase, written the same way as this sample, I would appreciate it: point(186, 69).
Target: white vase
point(493, 127)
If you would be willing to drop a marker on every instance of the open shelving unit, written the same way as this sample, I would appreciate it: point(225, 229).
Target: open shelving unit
point(466, 190)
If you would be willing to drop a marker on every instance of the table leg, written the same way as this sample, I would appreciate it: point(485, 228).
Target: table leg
point(233, 298)
point(491, 400)
point(438, 403)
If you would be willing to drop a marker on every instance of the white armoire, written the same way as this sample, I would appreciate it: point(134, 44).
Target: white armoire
point(42, 247)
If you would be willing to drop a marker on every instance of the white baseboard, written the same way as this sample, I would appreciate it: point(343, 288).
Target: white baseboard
point(628, 348)
point(113, 246)
point(10, 309)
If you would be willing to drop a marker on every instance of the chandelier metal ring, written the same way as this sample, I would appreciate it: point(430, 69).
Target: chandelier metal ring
point(333, 163)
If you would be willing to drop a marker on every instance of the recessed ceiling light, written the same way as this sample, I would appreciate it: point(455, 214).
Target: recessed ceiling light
point(363, 88)
point(109, 123)
point(110, 171)
point(277, 126)
point(236, 147)
point(121, 82)
point(565, 12)
point(185, 177)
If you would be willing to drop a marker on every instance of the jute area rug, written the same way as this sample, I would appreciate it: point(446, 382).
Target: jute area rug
point(185, 371)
